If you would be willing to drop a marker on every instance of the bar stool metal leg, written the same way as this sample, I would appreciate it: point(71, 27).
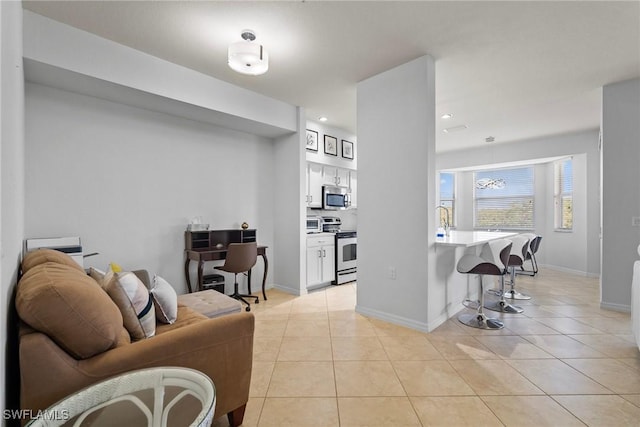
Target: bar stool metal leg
point(502, 305)
point(512, 293)
point(479, 319)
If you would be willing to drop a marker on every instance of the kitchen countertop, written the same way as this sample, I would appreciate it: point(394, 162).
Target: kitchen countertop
point(471, 238)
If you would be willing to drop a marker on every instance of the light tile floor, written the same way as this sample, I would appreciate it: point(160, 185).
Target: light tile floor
point(563, 362)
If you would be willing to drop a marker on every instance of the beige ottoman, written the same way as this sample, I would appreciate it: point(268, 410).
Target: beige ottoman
point(210, 303)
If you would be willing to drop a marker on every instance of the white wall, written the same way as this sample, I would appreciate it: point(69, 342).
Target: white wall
point(396, 193)
point(289, 225)
point(171, 125)
point(128, 180)
point(577, 251)
point(67, 48)
point(11, 191)
point(620, 195)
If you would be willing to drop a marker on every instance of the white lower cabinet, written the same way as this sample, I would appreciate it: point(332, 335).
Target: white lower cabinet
point(320, 259)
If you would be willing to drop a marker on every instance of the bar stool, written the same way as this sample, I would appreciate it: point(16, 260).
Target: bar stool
point(534, 245)
point(519, 248)
point(492, 261)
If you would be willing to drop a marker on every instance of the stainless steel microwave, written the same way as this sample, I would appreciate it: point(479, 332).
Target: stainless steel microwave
point(335, 198)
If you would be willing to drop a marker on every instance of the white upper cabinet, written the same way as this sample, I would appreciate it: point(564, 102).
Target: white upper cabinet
point(314, 185)
point(333, 175)
point(319, 175)
point(353, 186)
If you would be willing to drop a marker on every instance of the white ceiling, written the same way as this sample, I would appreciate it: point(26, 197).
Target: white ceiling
point(511, 70)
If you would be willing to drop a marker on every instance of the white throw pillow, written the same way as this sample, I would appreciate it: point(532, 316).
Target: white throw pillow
point(134, 301)
point(165, 300)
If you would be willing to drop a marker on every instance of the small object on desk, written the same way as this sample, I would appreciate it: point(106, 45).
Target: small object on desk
point(219, 246)
point(244, 225)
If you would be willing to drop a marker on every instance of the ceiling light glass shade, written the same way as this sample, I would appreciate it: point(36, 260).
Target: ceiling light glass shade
point(247, 57)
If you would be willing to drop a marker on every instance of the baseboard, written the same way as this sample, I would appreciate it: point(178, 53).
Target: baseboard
point(293, 291)
point(392, 318)
point(623, 308)
point(570, 271)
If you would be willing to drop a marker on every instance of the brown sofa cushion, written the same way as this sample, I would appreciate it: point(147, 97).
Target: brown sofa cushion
point(40, 256)
point(70, 307)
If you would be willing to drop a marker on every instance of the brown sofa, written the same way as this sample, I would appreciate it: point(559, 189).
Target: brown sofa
point(72, 335)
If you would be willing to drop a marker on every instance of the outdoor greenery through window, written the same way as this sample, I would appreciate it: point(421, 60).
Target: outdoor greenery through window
point(447, 198)
point(503, 199)
point(563, 194)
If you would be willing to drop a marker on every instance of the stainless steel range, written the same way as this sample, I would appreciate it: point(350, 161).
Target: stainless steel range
point(346, 255)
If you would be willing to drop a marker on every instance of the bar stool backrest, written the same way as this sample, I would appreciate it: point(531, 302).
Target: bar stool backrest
point(534, 245)
point(519, 249)
point(497, 252)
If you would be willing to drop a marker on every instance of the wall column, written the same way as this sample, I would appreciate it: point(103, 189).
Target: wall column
point(396, 194)
point(620, 197)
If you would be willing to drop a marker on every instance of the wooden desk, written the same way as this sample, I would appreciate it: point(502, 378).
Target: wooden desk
point(203, 255)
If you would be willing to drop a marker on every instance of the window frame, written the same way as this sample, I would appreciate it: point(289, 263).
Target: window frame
point(559, 195)
point(530, 198)
point(452, 208)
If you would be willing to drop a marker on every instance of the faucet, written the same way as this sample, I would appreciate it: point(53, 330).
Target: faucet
point(447, 223)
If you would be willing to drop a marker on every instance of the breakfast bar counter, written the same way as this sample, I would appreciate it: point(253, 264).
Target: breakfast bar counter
point(471, 238)
point(451, 287)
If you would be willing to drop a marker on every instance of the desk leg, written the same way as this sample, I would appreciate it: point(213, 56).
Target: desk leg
point(264, 276)
point(186, 273)
point(200, 268)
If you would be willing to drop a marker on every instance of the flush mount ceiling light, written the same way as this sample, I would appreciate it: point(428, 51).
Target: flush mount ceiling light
point(247, 57)
point(322, 119)
point(447, 116)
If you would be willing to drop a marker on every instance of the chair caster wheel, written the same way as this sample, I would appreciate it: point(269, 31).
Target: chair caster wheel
point(247, 309)
point(257, 301)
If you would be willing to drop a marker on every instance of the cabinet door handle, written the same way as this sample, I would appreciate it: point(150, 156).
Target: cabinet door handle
point(324, 253)
point(319, 253)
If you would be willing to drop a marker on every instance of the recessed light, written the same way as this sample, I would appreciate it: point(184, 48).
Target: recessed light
point(447, 116)
point(323, 119)
point(455, 129)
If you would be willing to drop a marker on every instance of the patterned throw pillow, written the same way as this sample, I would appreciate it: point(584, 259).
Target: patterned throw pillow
point(134, 301)
point(165, 300)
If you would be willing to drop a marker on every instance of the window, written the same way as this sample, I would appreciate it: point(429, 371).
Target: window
point(447, 198)
point(563, 194)
point(503, 199)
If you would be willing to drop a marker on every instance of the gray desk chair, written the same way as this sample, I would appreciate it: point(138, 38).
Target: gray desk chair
point(240, 258)
point(517, 256)
point(492, 261)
